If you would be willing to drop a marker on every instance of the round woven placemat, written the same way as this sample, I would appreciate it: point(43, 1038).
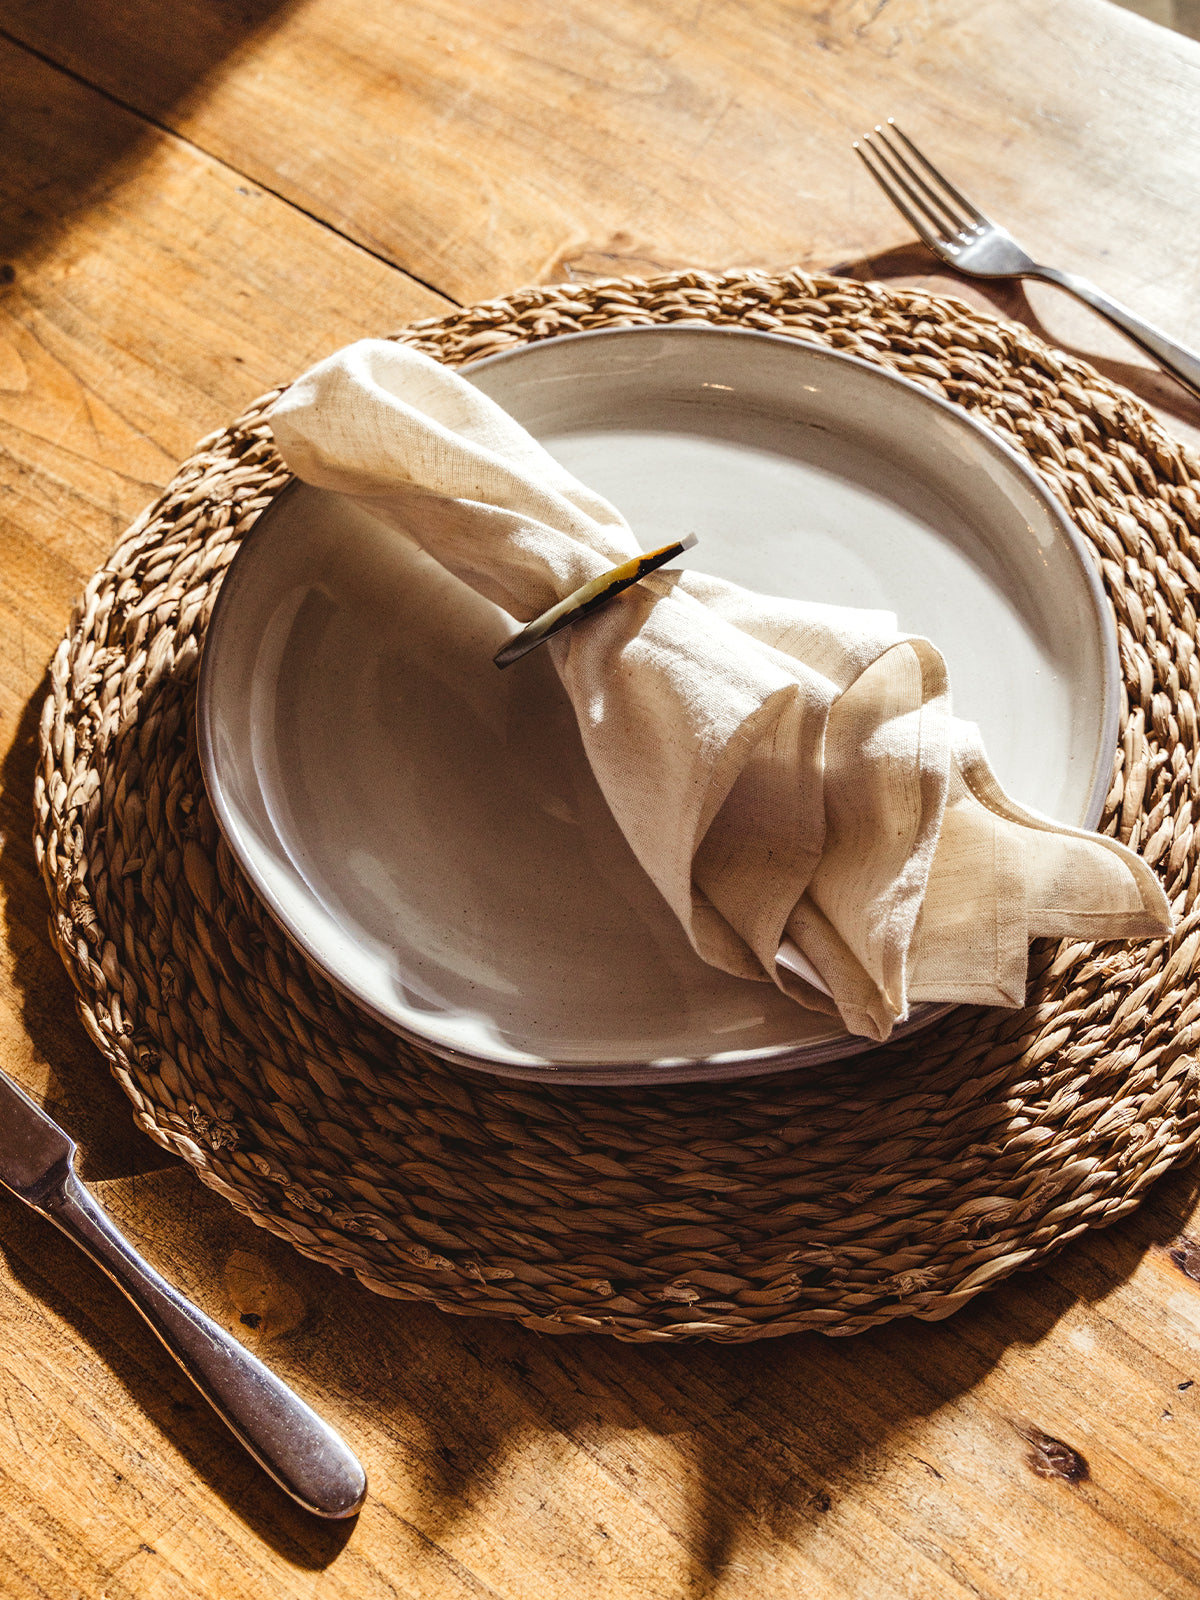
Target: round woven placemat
point(901, 1182)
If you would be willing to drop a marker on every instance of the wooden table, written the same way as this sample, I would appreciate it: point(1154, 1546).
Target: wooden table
point(197, 198)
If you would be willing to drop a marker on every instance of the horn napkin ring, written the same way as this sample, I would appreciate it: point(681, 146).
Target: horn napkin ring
point(588, 599)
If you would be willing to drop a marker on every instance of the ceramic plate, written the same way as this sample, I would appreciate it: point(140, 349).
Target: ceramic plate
point(427, 828)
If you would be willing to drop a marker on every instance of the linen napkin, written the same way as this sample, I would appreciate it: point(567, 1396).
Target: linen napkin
point(789, 774)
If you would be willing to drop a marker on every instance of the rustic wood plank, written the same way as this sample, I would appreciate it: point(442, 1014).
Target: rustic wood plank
point(479, 147)
point(483, 146)
point(904, 1462)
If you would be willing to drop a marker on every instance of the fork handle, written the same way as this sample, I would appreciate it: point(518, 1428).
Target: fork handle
point(300, 1451)
point(1179, 361)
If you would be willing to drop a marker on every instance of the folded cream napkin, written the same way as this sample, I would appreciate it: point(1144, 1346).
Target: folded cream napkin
point(789, 774)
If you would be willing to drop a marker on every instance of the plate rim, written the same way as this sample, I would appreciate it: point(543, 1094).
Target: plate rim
point(720, 1066)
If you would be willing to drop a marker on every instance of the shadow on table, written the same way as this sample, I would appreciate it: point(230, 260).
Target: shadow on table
point(718, 1451)
point(693, 1462)
point(70, 1077)
point(765, 1438)
point(65, 144)
point(63, 1064)
point(913, 265)
point(105, 1327)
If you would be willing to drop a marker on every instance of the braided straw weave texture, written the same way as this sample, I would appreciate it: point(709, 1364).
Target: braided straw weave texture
point(897, 1183)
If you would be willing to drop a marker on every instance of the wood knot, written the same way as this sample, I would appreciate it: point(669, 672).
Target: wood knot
point(1185, 1254)
point(259, 1298)
point(1049, 1457)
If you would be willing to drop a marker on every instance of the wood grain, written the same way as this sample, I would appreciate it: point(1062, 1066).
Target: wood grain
point(197, 200)
point(900, 1463)
point(482, 146)
point(149, 293)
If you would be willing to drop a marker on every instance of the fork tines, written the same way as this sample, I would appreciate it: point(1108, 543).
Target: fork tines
point(929, 201)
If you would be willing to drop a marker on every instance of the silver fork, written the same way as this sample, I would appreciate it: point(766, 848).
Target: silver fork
point(965, 239)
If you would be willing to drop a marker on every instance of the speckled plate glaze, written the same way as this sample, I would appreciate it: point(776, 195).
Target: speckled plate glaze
point(427, 828)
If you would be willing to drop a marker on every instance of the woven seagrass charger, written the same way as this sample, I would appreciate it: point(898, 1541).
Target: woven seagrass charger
point(897, 1183)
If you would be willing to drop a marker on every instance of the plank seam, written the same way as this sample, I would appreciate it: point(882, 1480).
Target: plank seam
point(209, 155)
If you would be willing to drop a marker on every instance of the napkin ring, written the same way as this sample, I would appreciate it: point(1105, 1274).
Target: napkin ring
point(587, 599)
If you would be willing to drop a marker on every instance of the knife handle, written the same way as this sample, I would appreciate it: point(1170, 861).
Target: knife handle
point(289, 1441)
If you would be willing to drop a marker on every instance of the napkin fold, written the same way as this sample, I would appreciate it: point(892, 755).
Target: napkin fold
point(789, 774)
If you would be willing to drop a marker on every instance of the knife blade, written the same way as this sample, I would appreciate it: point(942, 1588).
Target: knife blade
point(302, 1453)
point(35, 1153)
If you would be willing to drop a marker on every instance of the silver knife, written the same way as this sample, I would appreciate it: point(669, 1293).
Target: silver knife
point(288, 1440)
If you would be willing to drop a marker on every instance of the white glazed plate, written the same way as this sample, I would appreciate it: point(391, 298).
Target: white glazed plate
point(426, 827)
